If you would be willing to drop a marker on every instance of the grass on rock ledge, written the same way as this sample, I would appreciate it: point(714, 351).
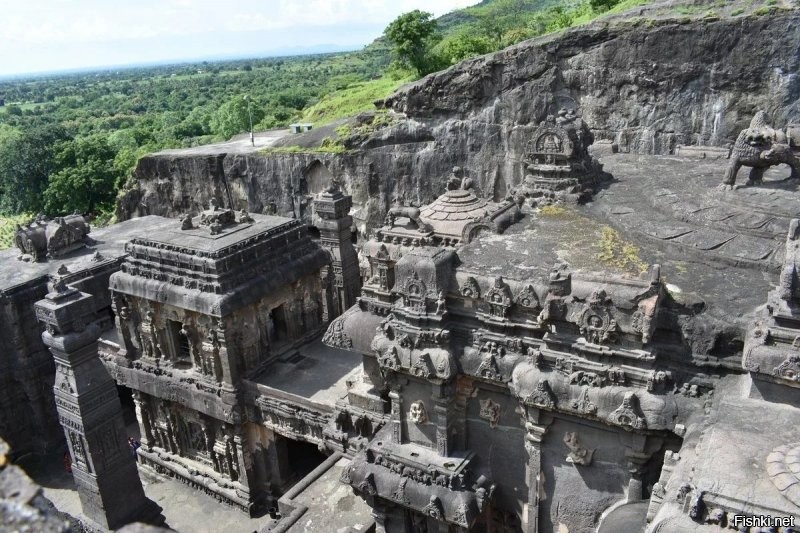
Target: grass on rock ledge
point(8, 226)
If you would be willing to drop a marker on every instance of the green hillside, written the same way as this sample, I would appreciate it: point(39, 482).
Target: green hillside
point(69, 142)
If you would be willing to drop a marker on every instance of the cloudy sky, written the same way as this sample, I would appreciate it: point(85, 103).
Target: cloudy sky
point(46, 35)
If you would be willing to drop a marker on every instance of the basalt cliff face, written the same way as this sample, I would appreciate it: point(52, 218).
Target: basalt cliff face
point(646, 83)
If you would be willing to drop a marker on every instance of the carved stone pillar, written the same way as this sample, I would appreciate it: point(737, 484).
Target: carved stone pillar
point(143, 417)
point(441, 410)
point(535, 431)
point(247, 475)
point(396, 416)
point(638, 449)
point(332, 217)
point(224, 369)
point(636, 463)
point(379, 514)
point(89, 410)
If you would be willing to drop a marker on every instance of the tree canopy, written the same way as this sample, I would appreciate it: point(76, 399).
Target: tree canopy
point(411, 35)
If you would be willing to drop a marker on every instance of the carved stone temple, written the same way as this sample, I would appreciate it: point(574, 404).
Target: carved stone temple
point(474, 365)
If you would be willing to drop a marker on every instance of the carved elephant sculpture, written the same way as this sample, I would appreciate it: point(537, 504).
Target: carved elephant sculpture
point(760, 147)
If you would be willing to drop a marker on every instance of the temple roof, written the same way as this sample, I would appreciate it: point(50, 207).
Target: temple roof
point(107, 245)
point(220, 267)
point(449, 213)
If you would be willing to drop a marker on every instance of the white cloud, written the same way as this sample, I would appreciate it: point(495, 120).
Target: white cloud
point(62, 21)
point(61, 34)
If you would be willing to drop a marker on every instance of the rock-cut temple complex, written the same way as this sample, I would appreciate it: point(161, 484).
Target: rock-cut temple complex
point(472, 367)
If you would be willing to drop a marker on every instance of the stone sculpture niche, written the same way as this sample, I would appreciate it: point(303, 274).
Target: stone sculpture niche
point(759, 147)
point(51, 238)
point(558, 165)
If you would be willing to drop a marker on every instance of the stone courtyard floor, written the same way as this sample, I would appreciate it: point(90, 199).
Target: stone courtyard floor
point(186, 510)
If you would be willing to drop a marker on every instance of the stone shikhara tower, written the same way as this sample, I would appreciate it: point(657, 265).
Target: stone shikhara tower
point(332, 218)
point(89, 410)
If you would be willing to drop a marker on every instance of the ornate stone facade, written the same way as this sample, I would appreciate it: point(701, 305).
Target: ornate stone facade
point(485, 378)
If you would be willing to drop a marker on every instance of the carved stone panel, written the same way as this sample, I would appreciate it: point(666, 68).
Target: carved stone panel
point(490, 410)
point(417, 413)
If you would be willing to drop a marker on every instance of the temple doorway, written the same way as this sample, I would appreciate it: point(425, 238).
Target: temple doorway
point(280, 325)
point(303, 457)
point(128, 412)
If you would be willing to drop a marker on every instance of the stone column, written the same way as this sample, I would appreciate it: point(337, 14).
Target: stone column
point(396, 416)
point(89, 410)
point(441, 409)
point(535, 431)
point(638, 449)
point(332, 218)
point(143, 417)
point(636, 463)
point(379, 514)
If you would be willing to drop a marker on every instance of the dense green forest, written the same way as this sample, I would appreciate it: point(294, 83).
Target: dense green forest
point(69, 142)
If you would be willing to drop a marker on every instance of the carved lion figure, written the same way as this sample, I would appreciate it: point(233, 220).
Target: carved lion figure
point(412, 213)
point(760, 147)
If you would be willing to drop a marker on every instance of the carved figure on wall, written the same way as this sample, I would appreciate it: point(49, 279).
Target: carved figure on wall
point(789, 369)
point(417, 413)
point(336, 336)
point(596, 323)
point(577, 454)
point(583, 404)
point(441, 302)
point(527, 298)
point(150, 344)
point(543, 395)
point(759, 147)
point(490, 410)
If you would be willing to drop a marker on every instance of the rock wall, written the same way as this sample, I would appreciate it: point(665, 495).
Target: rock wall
point(647, 84)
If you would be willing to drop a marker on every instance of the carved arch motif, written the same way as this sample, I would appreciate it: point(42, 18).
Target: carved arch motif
point(498, 297)
point(470, 288)
point(596, 322)
point(527, 298)
point(629, 415)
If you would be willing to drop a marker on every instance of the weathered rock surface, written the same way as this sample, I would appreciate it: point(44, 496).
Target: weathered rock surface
point(22, 505)
point(649, 84)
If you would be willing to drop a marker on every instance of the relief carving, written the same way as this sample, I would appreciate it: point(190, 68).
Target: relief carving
point(527, 298)
point(498, 297)
point(543, 395)
point(596, 323)
point(490, 410)
point(470, 288)
point(583, 404)
point(789, 369)
point(628, 414)
point(577, 454)
point(336, 336)
point(434, 508)
point(417, 413)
